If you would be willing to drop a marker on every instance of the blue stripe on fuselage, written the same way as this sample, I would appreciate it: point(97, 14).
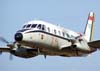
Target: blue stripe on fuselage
point(48, 34)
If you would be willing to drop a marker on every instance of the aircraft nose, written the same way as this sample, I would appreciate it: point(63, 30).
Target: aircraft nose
point(18, 36)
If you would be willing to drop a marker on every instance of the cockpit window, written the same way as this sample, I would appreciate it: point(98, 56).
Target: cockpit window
point(28, 25)
point(24, 26)
point(34, 25)
point(39, 26)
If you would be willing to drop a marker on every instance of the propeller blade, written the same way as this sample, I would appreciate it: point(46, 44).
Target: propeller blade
point(10, 45)
point(45, 56)
point(3, 40)
point(0, 52)
point(11, 57)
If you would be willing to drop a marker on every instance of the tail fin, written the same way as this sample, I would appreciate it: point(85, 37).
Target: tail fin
point(89, 29)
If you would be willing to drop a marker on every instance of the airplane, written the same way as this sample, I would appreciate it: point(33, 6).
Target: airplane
point(38, 37)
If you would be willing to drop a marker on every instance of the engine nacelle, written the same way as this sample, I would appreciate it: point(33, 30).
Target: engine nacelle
point(25, 53)
point(82, 45)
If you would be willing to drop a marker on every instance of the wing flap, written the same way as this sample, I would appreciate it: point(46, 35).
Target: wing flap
point(94, 44)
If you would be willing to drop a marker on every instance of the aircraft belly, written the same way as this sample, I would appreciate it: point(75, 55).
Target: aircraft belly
point(57, 52)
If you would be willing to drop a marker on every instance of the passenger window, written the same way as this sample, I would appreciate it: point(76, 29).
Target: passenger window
point(28, 25)
point(59, 32)
point(67, 35)
point(48, 29)
point(55, 31)
point(63, 34)
point(33, 25)
point(39, 26)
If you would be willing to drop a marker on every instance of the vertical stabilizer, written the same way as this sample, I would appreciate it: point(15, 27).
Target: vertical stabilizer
point(89, 29)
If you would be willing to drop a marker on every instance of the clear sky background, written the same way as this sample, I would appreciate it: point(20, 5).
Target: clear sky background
point(70, 14)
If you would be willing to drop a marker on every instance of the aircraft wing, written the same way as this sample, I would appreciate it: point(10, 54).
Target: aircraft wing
point(94, 44)
point(4, 49)
point(21, 52)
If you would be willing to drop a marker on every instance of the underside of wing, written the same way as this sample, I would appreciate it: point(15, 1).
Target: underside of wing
point(94, 44)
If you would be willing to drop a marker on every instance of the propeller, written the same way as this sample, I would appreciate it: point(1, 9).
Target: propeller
point(10, 45)
point(4, 40)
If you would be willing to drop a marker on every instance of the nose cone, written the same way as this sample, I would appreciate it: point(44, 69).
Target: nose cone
point(18, 37)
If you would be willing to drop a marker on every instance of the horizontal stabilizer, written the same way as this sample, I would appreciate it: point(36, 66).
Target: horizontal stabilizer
point(94, 44)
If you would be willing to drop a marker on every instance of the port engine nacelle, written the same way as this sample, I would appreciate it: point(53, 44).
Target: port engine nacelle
point(25, 53)
point(82, 45)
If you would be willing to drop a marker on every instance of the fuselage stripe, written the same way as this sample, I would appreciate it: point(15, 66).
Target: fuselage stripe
point(49, 34)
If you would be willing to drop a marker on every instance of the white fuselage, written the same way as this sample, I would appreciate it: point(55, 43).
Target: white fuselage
point(48, 38)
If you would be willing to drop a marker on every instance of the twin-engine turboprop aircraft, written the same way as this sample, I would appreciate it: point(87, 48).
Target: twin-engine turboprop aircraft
point(42, 38)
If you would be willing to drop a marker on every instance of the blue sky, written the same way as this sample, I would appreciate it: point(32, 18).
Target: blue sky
point(70, 14)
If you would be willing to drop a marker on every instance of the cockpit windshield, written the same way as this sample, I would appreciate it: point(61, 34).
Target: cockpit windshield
point(29, 26)
point(33, 25)
point(38, 26)
point(24, 26)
